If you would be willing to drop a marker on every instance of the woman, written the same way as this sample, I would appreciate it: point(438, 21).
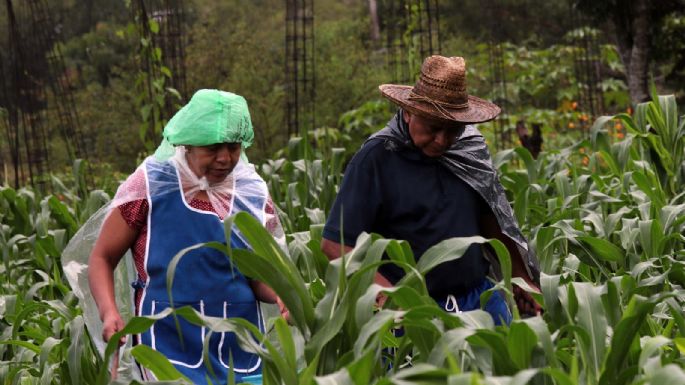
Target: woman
point(176, 199)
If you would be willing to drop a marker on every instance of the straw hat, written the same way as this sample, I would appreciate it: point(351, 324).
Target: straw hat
point(441, 93)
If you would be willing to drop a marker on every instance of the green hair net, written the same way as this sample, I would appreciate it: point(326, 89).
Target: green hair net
point(211, 117)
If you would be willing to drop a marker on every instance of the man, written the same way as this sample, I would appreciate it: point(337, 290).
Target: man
point(426, 177)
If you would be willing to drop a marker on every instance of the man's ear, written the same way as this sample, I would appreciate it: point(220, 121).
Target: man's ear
point(406, 115)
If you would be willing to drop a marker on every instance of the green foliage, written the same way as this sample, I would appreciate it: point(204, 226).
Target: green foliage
point(541, 87)
point(302, 187)
point(42, 331)
point(605, 214)
point(609, 235)
point(670, 50)
point(610, 238)
point(151, 84)
point(304, 177)
point(96, 54)
point(234, 45)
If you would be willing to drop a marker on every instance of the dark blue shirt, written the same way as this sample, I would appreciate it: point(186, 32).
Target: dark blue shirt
point(406, 195)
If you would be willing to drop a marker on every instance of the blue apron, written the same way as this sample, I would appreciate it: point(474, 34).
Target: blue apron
point(205, 279)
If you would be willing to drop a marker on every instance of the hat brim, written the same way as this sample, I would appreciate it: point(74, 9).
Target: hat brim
point(478, 110)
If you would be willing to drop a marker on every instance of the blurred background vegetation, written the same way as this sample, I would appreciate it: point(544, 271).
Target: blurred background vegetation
point(239, 45)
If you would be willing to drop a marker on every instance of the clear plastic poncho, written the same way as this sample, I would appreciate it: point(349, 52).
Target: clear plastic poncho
point(211, 116)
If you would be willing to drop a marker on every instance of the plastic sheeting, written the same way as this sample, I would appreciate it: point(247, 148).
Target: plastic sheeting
point(469, 159)
point(75, 266)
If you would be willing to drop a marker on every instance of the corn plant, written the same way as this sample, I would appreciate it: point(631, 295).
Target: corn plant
point(302, 187)
point(609, 234)
point(606, 219)
point(42, 333)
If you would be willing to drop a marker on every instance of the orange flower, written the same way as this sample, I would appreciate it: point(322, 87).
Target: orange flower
point(586, 161)
point(618, 126)
point(583, 117)
point(574, 105)
point(571, 125)
point(620, 135)
point(629, 110)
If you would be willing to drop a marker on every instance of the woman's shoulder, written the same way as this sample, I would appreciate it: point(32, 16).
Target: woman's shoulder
point(246, 173)
point(133, 188)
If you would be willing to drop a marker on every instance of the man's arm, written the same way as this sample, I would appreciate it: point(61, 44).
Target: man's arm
point(357, 205)
point(335, 250)
point(524, 301)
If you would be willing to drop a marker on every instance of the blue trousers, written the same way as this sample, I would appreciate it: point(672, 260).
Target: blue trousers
point(496, 306)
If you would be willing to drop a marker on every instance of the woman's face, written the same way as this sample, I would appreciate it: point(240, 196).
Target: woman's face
point(215, 161)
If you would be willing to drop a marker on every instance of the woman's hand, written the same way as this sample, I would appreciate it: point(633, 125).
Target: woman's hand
point(285, 313)
point(112, 323)
point(116, 236)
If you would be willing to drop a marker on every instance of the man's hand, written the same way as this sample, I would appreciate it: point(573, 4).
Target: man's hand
point(112, 323)
point(525, 302)
point(334, 250)
point(380, 300)
point(381, 297)
point(491, 229)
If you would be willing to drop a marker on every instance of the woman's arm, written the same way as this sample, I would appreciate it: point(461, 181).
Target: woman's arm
point(266, 294)
point(263, 292)
point(116, 236)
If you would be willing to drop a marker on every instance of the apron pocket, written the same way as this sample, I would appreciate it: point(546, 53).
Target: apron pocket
point(243, 362)
point(181, 348)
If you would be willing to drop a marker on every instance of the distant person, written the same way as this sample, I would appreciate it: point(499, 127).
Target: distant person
point(179, 198)
point(427, 177)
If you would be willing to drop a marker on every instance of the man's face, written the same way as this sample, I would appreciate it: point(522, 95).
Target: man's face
point(215, 161)
point(432, 136)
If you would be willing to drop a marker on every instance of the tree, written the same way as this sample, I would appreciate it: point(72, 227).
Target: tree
point(633, 24)
point(375, 26)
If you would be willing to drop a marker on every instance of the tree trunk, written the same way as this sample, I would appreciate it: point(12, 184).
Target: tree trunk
point(375, 27)
point(633, 42)
point(90, 22)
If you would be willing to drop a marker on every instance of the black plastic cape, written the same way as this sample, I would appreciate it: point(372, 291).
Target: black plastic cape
point(469, 159)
